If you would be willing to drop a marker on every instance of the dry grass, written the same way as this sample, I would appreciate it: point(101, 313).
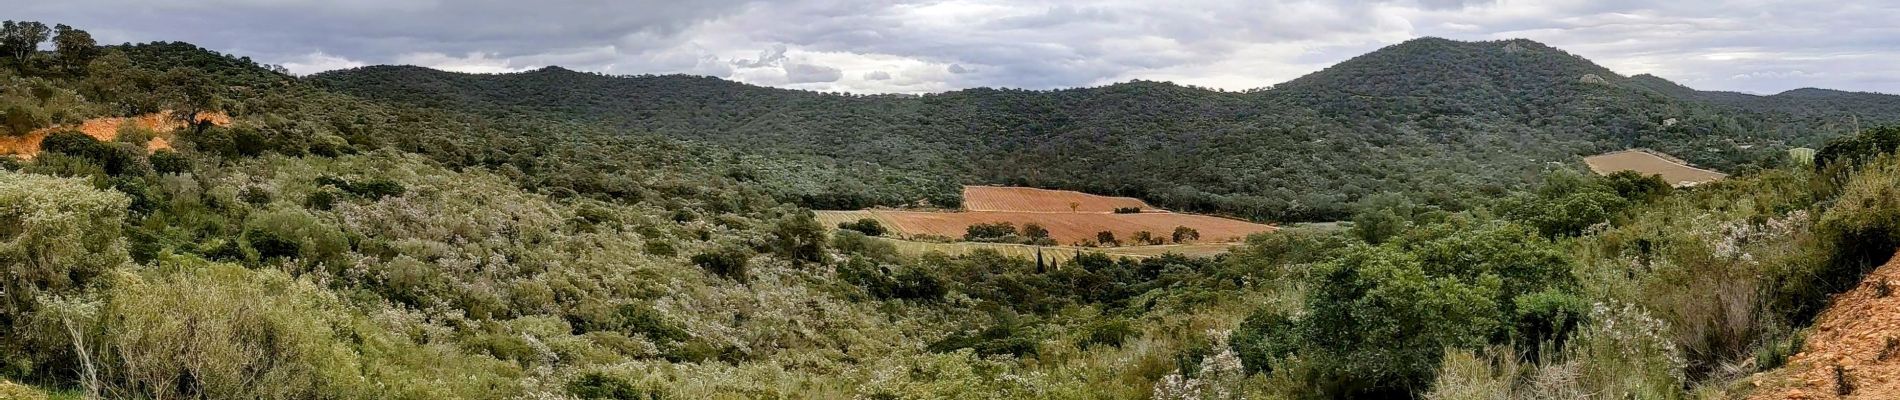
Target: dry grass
point(1672, 170)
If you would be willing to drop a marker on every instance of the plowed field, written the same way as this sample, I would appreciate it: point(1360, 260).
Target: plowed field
point(1065, 228)
point(1672, 171)
point(1022, 199)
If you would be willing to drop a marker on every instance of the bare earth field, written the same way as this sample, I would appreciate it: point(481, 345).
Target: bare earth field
point(1672, 171)
point(919, 232)
point(1059, 254)
point(1065, 228)
point(1021, 199)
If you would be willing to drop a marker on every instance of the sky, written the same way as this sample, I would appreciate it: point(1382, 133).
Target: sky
point(905, 46)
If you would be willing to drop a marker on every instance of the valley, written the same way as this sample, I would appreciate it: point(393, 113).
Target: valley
point(1433, 219)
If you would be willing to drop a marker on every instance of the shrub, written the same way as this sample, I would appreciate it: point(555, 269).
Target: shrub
point(323, 199)
point(799, 237)
point(1109, 332)
point(597, 385)
point(60, 236)
point(1106, 238)
point(1859, 231)
point(990, 232)
point(867, 226)
point(1547, 317)
point(1127, 210)
point(21, 118)
point(169, 162)
point(255, 196)
point(1037, 234)
point(1184, 234)
point(731, 262)
point(190, 329)
point(372, 189)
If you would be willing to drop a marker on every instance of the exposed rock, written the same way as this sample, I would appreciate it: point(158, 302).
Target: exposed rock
point(1594, 79)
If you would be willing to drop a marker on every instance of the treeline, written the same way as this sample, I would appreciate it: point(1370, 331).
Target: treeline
point(1450, 123)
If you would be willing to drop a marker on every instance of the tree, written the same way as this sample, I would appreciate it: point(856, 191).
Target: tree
point(192, 95)
point(74, 49)
point(1037, 234)
point(1183, 234)
point(1145, 237)
point(989, 232)
point(21, 39)
point(867, 226)
point(799, 237)
point(21, 117)
point(1074, 206)
point(1377, 323)
point(1107, 238)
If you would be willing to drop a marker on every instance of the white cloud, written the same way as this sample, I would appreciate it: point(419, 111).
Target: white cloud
point(318, 62)
point(475, 63)
point(936, 45)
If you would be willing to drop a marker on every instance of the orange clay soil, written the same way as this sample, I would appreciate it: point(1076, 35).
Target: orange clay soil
point(107, 129)
point(1858, 333)
point(1064, 227)
point(999, 198)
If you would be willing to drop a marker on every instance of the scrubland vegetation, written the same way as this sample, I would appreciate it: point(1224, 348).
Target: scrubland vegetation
point(331, 246)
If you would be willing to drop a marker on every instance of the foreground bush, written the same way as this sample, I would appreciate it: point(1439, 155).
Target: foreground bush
point(194, 329)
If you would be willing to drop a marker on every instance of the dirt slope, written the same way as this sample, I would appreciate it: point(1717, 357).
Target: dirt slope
point(107, 129)
point(1858, 335)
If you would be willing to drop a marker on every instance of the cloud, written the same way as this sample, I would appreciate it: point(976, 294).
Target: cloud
point(809, 73)
point(318, 62)
point(937, 45)
point(768, 57)
point(476, 63)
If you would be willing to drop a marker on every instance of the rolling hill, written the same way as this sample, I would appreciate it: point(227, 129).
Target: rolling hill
point(1447, 121)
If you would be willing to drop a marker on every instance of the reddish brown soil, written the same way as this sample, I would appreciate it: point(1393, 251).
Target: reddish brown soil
point(1065, 228)
point(1022, 199)
point(107, 129)
point(1860, 334)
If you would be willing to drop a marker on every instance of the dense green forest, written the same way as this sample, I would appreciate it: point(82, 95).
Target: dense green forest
point(338, 241)
point(1435, 119)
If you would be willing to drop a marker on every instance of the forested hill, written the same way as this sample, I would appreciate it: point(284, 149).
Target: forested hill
point(1434, 119)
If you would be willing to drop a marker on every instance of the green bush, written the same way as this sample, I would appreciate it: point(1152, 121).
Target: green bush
point(867, 226)
point(1547, 319)
point(731, 262)
point(1860, 232)
point(990, 232)
point(597, 385)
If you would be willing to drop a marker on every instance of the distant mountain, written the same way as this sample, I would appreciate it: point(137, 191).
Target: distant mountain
point(1430, 117)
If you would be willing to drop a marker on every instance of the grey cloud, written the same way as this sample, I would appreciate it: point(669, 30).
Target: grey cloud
point(767, 57)
point(810, 73)
point(877, 76)
point(378, 30)
point(938, 45)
